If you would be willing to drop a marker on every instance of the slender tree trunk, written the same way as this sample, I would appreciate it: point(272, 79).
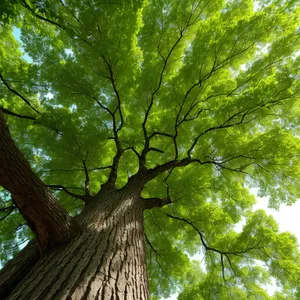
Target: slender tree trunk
point(105, 261)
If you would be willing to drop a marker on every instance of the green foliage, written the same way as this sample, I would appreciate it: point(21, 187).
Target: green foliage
point(212, 82)
point(13, 228)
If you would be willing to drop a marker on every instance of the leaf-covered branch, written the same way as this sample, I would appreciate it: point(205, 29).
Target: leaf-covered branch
point(59, 187)
point(213, 249)
point(151, 246)
point(11, 113)
point(17, 94)
point(77, 170)
point(8, 210)
point(67, 26)
point(39, 16)
point(116, 128)
point(112, 79)
point(263, 250)
point(147, 113)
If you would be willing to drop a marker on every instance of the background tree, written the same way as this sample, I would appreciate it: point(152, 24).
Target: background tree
point(148, 114)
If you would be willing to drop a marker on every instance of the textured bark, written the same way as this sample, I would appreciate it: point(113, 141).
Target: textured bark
point(17, 268)
point(45, 216)
point(105, 261)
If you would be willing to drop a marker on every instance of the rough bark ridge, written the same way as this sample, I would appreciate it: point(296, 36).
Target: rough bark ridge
point(17, 268)
point(105, 261)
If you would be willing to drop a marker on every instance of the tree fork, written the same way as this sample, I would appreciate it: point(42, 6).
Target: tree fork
point(104, 261)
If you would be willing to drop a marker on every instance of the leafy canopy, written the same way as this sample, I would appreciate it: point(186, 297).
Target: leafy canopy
point(206, 93)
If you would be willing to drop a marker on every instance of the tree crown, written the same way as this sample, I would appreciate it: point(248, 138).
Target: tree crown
point(199, 101)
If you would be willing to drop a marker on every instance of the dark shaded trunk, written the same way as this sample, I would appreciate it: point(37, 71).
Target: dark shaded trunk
point(17, 268)
point(105, 261)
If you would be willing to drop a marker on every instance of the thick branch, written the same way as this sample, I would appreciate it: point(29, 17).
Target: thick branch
point(155, 202)
point(114, 170)
point(152, 173)
point(170, 165)
point(45, 216)
point(87, 179)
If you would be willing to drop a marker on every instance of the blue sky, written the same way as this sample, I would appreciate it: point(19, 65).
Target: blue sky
point(17, 35)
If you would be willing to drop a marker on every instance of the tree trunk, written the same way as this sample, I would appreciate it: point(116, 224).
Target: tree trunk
point(17, 268)
point(105, 261)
